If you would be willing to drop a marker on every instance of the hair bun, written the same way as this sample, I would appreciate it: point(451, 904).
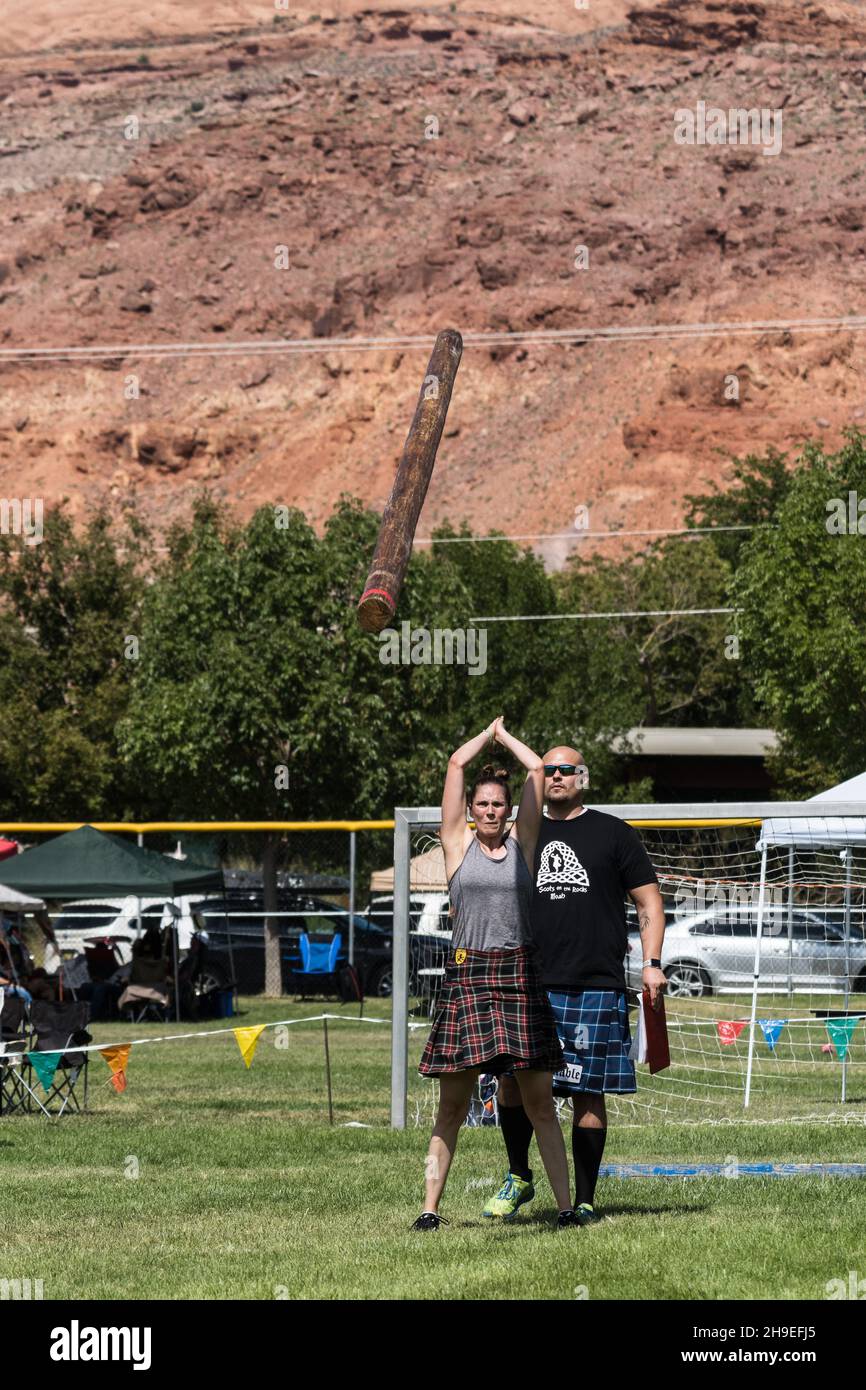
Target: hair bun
point(491, 770)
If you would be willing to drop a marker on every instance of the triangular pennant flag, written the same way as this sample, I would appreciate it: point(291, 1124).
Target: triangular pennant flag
point(45, 1065)
point(247, 1040)
point(729, 1030)
point(840, 1030)
point(117, 1058)
point(771, 1028)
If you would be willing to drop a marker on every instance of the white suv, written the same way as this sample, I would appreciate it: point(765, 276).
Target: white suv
point(122, 919)
point(428, 913)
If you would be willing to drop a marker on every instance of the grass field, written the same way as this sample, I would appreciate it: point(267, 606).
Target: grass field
point(244, 1190)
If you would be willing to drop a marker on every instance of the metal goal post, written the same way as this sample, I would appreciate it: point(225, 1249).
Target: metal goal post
point(845, 820)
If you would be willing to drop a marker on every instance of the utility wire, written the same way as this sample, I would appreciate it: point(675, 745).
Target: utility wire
point(637, 613)
point(491, 338)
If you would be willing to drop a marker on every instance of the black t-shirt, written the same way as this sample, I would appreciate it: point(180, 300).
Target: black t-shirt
point(583, 869)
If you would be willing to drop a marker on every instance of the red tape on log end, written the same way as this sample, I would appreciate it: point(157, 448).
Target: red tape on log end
point(375, 609)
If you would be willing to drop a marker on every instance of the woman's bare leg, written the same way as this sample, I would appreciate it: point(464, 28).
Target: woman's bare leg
point(455, 1093)
point(536, 1092)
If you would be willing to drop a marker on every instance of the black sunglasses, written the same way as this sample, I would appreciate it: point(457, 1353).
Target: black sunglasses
point(567, 769)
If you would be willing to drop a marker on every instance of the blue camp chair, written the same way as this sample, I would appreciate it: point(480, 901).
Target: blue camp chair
point(318, 962)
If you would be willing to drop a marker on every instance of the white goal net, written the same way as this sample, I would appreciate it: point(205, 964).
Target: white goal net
point(765, 954)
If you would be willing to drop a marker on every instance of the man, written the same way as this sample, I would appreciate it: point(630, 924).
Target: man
point(585, 863)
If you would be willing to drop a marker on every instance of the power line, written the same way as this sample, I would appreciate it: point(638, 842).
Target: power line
point(538, 337)
point(637, 613)
point(578, 534)
point(560, 535)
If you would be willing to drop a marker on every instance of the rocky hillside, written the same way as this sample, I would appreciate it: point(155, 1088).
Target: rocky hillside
point(380, 173)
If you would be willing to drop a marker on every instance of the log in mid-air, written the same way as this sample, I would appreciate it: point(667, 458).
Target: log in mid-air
point(378, 602)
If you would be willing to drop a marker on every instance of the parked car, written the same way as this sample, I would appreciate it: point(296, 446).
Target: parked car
point(706, 952)
point(429, 937)
point(239, 919)
point(428, 912)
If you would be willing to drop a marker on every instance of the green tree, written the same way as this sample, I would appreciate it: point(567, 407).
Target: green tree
point(497, 579)
point(802, 588)
point(68, 606)
point(258, 696)
point(622, 672)
point(760, 485)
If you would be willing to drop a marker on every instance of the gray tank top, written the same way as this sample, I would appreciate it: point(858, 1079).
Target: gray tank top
point(491, 899)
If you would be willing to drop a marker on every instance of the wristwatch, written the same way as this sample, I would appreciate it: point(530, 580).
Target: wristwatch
point(654, 962)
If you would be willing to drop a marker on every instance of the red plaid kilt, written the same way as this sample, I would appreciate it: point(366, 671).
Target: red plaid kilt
point(492, 1010)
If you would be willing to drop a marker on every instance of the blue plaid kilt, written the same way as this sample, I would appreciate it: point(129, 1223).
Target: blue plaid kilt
point(593, 1028)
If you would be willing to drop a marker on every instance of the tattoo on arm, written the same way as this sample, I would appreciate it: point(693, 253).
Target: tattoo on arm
point(643, 922)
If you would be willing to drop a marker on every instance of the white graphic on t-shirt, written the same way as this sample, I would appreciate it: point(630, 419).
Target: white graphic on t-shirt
point(560, 864)
point(581, 1037)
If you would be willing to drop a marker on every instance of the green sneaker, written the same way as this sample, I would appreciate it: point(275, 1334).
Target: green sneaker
point(586, 1215)
point(511, 1195)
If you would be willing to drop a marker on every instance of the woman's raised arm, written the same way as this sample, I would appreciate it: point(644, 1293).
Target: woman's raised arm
point(528, 820)
point(454, 793)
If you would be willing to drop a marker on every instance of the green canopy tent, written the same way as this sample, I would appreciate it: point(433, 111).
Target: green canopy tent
point(88, 863)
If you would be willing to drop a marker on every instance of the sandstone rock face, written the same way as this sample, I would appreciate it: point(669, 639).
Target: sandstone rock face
point(213, 219)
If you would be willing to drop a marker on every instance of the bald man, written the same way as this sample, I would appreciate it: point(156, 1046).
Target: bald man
point(585, 864)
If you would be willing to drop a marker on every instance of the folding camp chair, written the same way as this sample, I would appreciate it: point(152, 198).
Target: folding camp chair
point(14, 1042)
point(318, 962)
point(60, 1027)
point(149, 992)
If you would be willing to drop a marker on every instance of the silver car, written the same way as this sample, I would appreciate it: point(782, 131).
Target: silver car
point(713, 952)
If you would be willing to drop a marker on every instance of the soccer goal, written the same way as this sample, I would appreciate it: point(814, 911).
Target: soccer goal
point(765, 954)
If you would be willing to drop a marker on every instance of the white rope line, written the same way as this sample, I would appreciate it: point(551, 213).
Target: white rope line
point(831, 1118)
point(300, 346)
point(788, 1021)
point(178, 1037)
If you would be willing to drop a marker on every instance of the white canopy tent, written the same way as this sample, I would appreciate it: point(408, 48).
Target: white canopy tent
point(813, 832)
point(822, 830)
point(13, 901)
point(426, 874)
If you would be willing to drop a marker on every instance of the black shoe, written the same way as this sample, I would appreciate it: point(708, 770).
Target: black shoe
point(568, 1218)
point(428, 1221)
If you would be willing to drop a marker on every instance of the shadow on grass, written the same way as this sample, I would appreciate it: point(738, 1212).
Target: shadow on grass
point(674, 1209)
point(548, 1220)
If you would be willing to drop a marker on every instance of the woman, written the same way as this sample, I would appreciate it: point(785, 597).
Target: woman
point(494, 1014)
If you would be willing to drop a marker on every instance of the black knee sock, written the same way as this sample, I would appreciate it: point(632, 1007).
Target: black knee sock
point(517, 1132)
point(587, 1146)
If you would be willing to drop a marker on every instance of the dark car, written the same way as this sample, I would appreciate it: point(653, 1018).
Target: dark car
point(238, 920)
